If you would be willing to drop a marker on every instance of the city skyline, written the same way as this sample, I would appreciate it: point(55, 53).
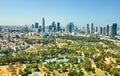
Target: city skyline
point(81, 12)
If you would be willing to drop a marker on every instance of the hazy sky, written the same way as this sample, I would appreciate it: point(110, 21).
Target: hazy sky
point(81, 12)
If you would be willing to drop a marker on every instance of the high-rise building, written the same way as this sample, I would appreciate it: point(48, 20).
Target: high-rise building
point(36, 25)
point(88, 29)
point(96, 30)
point(0, 28)
point(107, 30)
point(53, 26)
point(70, 27)
point(100, 32)
point(26, 28)
point(39, 29)
point(43, 25)
point(32, 25)
point(103, 30)
point(114, 30)
point(50, 28)
point(92, 29)
point(58, 27)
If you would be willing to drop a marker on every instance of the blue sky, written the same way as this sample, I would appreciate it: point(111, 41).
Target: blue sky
point(81, 12)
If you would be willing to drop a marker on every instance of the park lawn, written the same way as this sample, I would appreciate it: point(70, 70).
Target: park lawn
point(56, 73)
point(99, 72)
point(86, 73)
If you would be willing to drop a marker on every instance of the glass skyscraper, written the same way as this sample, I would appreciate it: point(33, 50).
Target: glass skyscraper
point(114, 30)
point(43, 25)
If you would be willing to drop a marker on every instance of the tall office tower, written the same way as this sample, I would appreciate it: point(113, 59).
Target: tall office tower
point(32, 25)
point(107, 30)
point(70, 27)
point(39, 29)
point(100, 31)
point(119, 30)
point(92, 29)
point(96, 30)
point(58, 27)
point(43, 25)
point(26, 28)
point(50, 28)
point(53, 26)
point(88, 29)
point(0, 28)
point(114, 30)
point(36, 25)
point(103, 30)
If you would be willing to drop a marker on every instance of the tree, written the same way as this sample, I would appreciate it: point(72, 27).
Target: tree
point(116, 73)
point(64, 68)
point(80, 73)
point(87, 64)
point(50, 66)
point(5, 51)
point(73, 73)
point(25, 72)
point(20, 71)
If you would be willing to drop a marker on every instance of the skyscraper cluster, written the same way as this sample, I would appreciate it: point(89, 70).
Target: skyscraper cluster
point(55, 28)
point(107, 30)
point(71, 29)
point(90, 30)
point(38, 28)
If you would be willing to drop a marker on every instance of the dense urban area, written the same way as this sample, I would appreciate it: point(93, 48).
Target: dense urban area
point(56, 50)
